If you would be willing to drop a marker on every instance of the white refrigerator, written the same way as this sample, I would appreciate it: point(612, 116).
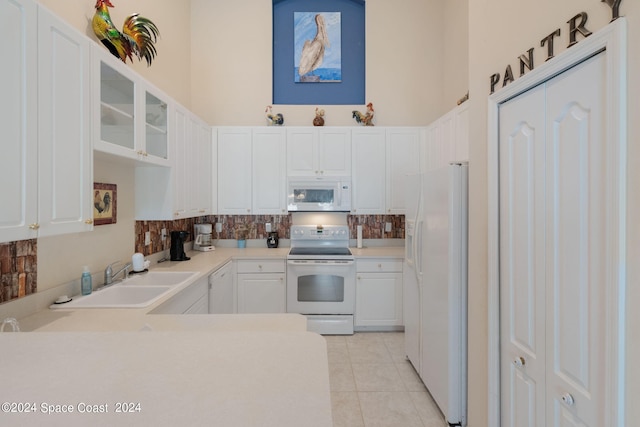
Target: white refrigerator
point(436, 285)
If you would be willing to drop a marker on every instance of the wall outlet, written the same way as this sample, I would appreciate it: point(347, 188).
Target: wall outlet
point(267, 227)
point(163, 234)
point(147, 238)
point(387, 227)
point(218, 227)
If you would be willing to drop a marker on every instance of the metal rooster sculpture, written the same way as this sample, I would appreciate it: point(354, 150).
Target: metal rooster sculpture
point(137, 38)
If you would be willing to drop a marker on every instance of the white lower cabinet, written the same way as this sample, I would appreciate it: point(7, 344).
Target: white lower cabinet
point(378, 294)
point(194, 299)
point(261, 286)
point(222, 299)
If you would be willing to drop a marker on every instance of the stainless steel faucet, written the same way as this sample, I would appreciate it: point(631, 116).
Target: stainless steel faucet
point(109, 275)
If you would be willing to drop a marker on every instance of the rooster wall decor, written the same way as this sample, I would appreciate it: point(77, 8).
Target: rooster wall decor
point(364, 119)
point(138, 34)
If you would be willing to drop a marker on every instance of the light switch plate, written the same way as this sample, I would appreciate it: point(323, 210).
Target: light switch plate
point(267, 227)
point(218, 227)
point(387, 227)
point(163, 233)
point(147, 238)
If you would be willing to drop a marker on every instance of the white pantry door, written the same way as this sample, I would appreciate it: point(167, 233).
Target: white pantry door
point(553, 229)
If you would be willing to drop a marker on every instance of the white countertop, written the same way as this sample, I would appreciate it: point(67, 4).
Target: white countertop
point(178, 378)
point(215, 370)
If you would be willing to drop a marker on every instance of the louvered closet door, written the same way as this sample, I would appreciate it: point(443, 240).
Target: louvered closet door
point(576, 250)
point(553, 221)
point(522, 261)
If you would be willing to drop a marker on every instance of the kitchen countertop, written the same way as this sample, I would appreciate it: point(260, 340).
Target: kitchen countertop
point(219, 370)
point(216, 378)
point(204, 263)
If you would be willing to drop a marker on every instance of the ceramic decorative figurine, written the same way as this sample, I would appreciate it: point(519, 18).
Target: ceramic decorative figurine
point(364, 119)
point(318, 120)
point(273, 119)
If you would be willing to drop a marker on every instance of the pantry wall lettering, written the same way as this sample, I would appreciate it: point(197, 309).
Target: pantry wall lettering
point(577, 28)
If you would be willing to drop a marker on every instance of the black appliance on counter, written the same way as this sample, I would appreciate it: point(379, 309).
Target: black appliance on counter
point(272, 239)
point(177, 246)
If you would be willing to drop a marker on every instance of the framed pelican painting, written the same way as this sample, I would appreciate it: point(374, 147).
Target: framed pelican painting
point(318, 47)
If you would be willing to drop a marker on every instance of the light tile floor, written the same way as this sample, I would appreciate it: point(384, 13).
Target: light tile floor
point(374, 385)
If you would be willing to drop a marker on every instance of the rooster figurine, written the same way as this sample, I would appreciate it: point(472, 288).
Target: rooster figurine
point(364, 119)
point(273, 119)
point(138, 34)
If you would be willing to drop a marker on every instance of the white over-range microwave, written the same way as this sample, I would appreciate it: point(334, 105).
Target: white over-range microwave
point(326, 194)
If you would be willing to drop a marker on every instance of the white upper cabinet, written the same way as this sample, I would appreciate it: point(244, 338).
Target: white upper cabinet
point(403, 158)
point(318, 152)
point(65, 153)
point(269, 171)
point(47, 147)
point(183, 190)
point(251, 171)
point(448, 138)
point(461, 137)
point(131, 116)
point(18, 119)
point(234, 171)
point(369, 171)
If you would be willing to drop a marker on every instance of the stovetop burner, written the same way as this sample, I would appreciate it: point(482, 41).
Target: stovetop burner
point(323, 242)
point(321, 251)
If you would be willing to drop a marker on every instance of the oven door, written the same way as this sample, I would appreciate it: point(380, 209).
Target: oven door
point(321, 286)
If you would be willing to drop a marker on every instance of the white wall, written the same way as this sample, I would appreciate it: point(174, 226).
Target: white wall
point(500, 31)
point(60, 258)
point(170, 70)
point(232, 73)
point(455, 48)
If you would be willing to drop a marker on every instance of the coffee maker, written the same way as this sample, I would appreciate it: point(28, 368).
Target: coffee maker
point(202, 241)
point(177, 246)
point(272, 239)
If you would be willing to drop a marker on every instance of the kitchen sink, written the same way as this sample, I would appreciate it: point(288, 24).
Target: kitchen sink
point(136, 291)
point(158, 278)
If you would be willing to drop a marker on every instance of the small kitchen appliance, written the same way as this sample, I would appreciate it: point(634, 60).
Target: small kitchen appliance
point(272, 239)
point(324, 194)
point(202, 241)
point(177, 246)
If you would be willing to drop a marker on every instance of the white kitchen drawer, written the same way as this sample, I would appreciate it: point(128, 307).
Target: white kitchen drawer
point(379, 265)
point(261, 266)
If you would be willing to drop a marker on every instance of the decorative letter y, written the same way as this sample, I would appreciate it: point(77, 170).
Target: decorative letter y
point(615, 5)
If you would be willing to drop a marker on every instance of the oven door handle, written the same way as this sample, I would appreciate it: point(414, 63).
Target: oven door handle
point(303, 262)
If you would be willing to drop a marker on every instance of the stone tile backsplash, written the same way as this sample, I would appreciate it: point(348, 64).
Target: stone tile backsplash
point(372, 228)
point(18, 260)
point(18, 269)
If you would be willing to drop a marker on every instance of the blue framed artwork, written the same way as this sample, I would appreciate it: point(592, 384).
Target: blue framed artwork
point(316, 41)
point(333, 28)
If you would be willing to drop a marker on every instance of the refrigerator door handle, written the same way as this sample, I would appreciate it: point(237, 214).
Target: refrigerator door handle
point(417, 250)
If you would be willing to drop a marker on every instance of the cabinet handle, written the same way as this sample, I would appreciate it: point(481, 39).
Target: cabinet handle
point(34, 226)
point(88, 221)
point(567, 399)
point(380, 266)
point(519, 361)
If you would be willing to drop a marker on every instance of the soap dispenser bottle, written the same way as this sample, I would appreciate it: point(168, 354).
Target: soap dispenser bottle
point(85, 281)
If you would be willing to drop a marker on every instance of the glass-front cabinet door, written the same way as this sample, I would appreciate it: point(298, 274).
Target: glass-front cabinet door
point(117, 108)
point(132, 115)
point(155, 126)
